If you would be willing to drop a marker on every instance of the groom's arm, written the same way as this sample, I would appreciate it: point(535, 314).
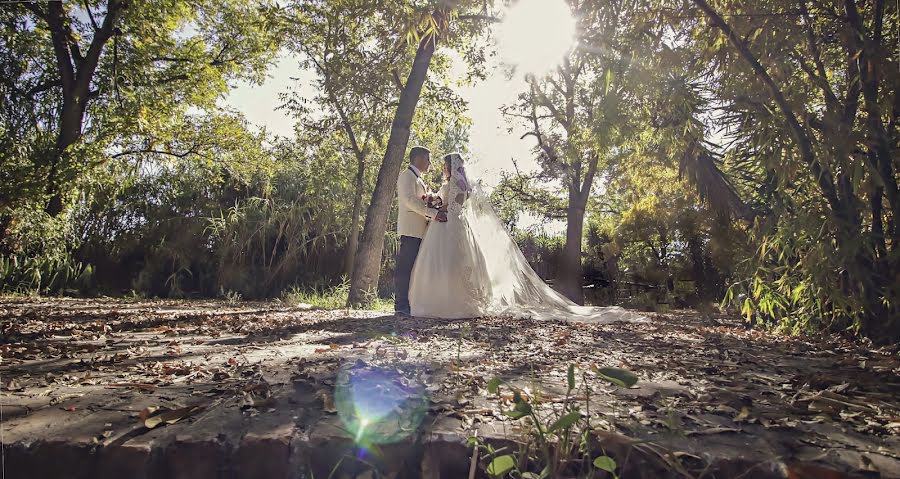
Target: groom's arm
point(406, 193)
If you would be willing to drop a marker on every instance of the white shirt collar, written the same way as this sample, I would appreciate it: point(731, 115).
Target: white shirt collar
point(416, 170)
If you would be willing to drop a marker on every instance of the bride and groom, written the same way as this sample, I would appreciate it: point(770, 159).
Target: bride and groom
point(456, 260)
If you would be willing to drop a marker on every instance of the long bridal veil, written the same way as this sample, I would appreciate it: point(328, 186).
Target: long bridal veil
point(513, 287)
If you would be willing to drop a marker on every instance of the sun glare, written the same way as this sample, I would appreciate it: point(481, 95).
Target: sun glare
point(536, 35)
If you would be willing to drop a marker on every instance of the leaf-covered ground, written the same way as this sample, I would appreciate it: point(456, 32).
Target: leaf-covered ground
point(110, 372)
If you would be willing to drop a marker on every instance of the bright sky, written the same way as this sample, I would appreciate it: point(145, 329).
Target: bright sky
point(493, 146)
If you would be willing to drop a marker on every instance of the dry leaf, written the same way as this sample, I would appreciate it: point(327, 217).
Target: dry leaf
point(743, 415)
point(714, 430)
point(170, 417)
point(147, 412)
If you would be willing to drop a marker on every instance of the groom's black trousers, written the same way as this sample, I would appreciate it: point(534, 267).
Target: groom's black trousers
point(406, 258)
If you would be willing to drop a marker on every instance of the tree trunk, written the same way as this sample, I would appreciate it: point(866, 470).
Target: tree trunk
point(570, 271)
point(353, 242)
point(869, 76)
point(76, 73)
point(360, 154)
point(367, 265)
point(70, 122)
point(698, 266)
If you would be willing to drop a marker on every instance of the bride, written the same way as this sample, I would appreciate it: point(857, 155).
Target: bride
point(470, 267)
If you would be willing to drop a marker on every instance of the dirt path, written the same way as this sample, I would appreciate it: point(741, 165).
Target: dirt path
point(261, 390)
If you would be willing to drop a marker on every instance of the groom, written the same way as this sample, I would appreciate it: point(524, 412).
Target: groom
point(414, 214)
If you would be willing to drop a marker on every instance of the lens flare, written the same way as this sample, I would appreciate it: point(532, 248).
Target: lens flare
point(378, 405)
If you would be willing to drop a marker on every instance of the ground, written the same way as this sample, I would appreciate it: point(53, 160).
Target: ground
point(114, 388)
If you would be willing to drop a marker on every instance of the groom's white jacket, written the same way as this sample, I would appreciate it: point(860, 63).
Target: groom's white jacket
point(413, 213)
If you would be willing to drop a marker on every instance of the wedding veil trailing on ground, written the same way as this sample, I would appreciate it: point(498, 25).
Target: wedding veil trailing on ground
point(512, 287)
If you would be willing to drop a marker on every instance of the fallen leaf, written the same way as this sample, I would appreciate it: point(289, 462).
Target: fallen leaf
point(713, 430)
point(14, 386)
point(171, 416)
point(147, 412)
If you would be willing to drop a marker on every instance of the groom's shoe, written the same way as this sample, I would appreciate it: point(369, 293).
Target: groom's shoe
point(402, 315)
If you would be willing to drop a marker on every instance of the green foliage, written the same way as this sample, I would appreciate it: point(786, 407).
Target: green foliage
point(617, 376)
point(501, 465)
point(326, 298)
point(558, 444)
point(766, 165)
point(38, 257)
point(658, 234)
point(44, 275)
point(158, 62)
point(541, 249)
point(605, 463)
point(823, 188)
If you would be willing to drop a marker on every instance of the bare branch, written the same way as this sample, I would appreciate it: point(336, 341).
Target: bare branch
point(153, 151)
point(90, 14)
point(485, 18)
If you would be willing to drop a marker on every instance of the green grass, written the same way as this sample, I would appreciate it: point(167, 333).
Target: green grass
point(334, 297)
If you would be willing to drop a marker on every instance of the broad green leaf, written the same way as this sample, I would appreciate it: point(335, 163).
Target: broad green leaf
point(523, 406)
point(501, 465)
point(605, 463)
point(494, 385)
point(565, 422)
point(618, 376)
point(515, 414)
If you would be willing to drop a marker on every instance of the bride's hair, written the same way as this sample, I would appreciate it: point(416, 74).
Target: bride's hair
point(448, 162)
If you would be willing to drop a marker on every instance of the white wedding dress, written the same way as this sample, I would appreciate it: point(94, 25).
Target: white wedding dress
point(470, 267)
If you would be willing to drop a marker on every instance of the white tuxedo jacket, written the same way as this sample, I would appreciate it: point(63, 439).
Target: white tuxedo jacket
point(413, 214)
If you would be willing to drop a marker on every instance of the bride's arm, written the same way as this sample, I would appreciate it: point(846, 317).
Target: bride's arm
point(443, 192)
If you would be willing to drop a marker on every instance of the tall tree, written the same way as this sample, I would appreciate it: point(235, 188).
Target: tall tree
point(576, 115)
point(816, 76)
point(426, 30)
point(368, 265)
point(354, 63)
point(83, 60)
point(75, 74)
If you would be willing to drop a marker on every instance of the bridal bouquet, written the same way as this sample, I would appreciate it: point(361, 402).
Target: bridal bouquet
point(433, 201)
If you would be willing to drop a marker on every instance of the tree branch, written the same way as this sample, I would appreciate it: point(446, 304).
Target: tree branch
point(90, 14)
point(154, 151)
point(486, 18)
point(42, 87)
point(821, 175)
point(92, 58)
point(59, 37)
point(821, 78)
point(593, 161)
point(546, 103)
